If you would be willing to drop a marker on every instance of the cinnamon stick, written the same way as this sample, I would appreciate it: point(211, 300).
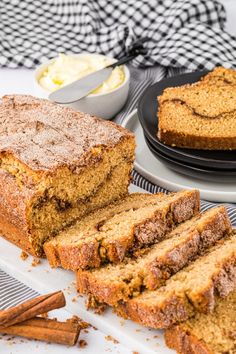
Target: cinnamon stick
point(32, 308)
point(46, 330)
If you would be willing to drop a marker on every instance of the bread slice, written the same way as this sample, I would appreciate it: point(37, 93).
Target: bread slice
point(115, 234)
point(193, 289)
point(213, 333)
point(220, 75)
point(199, 116)
point(114, 283)
point(92, 222)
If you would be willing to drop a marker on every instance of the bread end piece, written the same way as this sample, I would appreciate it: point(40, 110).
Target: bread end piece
point(183, 342)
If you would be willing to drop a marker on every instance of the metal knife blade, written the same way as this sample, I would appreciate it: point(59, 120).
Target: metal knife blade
point(80, 88)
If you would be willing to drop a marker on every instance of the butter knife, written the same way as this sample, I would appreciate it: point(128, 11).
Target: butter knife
point(82, 87)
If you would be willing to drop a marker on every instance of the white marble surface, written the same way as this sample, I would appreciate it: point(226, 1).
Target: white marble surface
point(21, 81)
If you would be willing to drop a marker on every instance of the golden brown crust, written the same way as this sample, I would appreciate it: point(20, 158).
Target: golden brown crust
point(14, 199)
point(112, 284)
point(212, 333)
point(44, 145)
point(13, 234)
point(13, 204)
point(183, 342)
point(44, 135)
point(94, 250)
point(70, 257)
point(172, 311)
point(58, 255)
point(176, 305)
point(174, 138)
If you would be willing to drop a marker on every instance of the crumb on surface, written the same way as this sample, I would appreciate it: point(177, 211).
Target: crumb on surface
point(24, 255)
point(82, 343)
point(35, 262)
point(112, 339)
point(100, 310)
point(92, 303)
point(77, 320)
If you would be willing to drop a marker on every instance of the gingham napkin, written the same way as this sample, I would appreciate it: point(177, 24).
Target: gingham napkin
point(182, 33)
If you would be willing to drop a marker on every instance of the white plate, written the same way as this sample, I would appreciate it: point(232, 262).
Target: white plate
point(44, 280)
point(156, 172)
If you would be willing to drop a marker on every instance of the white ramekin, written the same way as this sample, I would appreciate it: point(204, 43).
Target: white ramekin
point(104, 105)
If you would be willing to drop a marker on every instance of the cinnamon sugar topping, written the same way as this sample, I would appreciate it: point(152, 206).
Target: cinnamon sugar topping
point(44, 135)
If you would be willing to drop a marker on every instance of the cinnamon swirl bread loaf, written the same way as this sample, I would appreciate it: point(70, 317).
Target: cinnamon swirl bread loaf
point(56, 165)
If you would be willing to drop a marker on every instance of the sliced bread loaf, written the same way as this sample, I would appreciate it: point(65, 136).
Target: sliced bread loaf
point(115, 234)
point(193, 289)
point(201, 115)
point(92, 222)
point(114, 283)
point(213, 333)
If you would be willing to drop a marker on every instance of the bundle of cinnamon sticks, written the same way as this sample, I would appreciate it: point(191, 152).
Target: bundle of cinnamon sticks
point(23, 320)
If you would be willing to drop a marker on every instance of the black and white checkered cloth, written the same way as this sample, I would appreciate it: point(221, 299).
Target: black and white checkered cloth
point(184, 35)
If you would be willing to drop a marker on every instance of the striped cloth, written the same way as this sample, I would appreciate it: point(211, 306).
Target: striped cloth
point(12, 291)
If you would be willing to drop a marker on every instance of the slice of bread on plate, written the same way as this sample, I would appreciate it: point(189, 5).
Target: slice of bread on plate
point(201, 115)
